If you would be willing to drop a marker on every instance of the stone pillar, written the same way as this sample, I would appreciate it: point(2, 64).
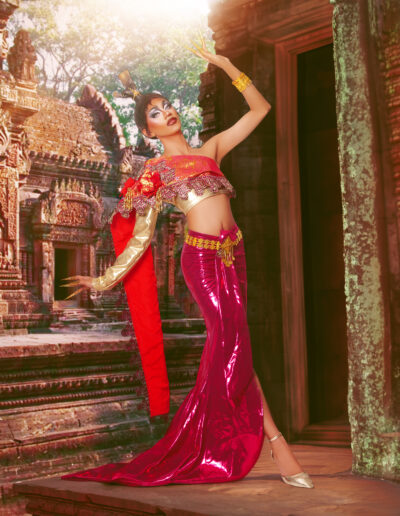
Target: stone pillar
point(173, 294)
point(160, 253)
point(92, 260)
point(87, 266)
point(172, 236)
point(44, 267)
point(371, 250)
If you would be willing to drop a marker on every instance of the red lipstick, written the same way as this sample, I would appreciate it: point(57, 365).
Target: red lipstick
point(172, 121)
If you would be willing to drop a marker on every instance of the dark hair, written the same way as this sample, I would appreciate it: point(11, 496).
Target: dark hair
point(142, 101)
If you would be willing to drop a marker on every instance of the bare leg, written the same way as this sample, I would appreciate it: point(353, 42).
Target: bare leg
point(284, 458)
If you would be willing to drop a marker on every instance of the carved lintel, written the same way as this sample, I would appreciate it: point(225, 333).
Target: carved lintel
point(73, 213)
point(68, 204)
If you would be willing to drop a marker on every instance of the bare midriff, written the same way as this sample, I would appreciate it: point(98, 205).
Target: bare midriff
point(211, 215)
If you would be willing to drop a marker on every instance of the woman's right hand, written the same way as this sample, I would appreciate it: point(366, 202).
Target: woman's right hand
point(202, 52)
point(74, 281)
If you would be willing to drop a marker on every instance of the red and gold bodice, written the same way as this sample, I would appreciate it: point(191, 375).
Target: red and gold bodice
point(180, 180)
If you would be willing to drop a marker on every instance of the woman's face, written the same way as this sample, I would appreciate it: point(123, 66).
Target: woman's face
point(162, 118)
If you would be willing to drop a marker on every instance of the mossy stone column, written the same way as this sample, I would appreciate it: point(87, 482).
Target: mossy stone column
point(367, 201)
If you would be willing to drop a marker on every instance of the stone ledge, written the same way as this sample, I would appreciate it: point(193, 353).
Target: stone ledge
point(337, 491)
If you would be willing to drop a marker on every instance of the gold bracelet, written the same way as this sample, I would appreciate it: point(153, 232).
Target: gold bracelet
point(242, 82)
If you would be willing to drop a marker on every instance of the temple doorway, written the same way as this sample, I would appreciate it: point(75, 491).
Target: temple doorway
point(322, 241)
point(65, 264)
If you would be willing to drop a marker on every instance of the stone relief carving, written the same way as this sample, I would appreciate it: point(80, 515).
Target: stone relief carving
point(7, 257)
point(21, 57)
point(3, 196)
point(7, 251)
point(73, 213)
point(68, 234)
point(23, 152)
point(47, 271)
point(12, 155)
point(85, 143)
point(4, 47)
point(12, 195)
point(70, 203)
point(130, 163)
point(5, 137)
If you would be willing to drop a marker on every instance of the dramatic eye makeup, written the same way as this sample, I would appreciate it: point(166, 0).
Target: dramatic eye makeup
point(154, 111)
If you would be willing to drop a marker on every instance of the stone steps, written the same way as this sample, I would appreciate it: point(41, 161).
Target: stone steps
point(26, 321)
point(73, 323)
point(83, 326)
point(20, 301)
point(74, 401)
point(75, 397)
point(187, 325)
point(127, 427)
point(63, 464)
point(22, 311)
point(30, 392)
point(338, 491)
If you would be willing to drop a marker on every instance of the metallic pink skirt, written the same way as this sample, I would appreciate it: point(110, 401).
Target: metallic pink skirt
point(217, 433)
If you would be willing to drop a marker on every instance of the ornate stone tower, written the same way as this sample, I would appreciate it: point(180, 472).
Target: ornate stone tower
point(18, 101)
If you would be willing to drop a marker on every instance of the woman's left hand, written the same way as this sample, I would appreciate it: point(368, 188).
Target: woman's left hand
point(201, 51)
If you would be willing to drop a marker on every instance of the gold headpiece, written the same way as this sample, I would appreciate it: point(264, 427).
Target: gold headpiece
point(130, 87)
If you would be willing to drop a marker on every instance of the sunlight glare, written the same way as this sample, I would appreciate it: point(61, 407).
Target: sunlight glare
point(176, 11)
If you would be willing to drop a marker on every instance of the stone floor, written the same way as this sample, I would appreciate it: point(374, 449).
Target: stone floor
point(262, 492)
point(58, 338)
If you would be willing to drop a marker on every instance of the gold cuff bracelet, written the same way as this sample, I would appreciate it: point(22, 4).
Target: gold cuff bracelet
point(242, 82)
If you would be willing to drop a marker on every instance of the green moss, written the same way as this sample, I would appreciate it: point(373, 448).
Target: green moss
point(366, 305)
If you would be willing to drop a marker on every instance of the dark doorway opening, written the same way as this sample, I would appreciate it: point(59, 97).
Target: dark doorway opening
point(322, 234)
point(65, 265)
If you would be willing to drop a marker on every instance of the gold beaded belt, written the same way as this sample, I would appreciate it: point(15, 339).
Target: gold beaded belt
point(224, 249)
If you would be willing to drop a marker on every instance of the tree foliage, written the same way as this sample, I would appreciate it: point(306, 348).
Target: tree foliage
point(91, 41)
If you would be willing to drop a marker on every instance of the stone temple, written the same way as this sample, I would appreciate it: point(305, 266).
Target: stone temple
point(60, 173)
point(61, 169)
point(319, 207)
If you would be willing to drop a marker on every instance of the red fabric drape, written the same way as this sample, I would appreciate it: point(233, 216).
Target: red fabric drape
point(141, 291)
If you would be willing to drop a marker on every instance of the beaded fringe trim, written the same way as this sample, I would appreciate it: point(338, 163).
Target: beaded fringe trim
point(224, 249)
point(168, 192)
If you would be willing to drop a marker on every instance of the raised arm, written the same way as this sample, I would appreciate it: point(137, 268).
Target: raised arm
point(226, 140)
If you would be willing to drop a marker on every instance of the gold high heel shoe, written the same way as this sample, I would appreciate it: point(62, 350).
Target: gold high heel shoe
point(301, 479)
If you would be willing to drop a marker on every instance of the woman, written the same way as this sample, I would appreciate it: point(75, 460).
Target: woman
point(217, 433)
